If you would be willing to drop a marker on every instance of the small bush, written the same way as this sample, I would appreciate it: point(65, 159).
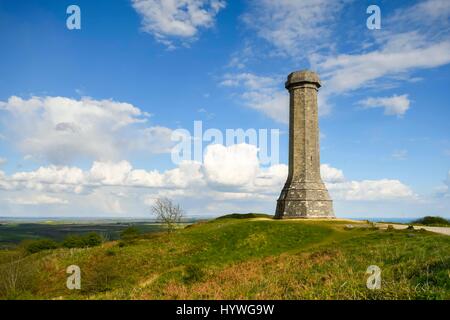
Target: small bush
point(432, 221)
point(193, 273)
point(73, 241)
point(103, 277)
point(110, 252)
point(33, 246)
point(245, 216)
point(129, 233)
point(17, 278)
point(89, 240)
point(92, 239)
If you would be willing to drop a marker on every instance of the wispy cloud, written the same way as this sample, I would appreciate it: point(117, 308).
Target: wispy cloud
point(401, 154)
point(395, 105)
point(40, 199)
point(261, 93)
point(294, 28)
point(266, 94)
point(170, 21)
point(401, 53)
point(412, 38)
point(370, 190)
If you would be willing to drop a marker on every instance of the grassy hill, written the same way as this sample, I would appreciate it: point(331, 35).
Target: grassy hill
point(236, 258)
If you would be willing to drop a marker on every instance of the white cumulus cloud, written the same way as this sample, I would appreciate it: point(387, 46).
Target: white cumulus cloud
point(61, 130)
point(236, 165)
point(330, 174)
point(228, 175)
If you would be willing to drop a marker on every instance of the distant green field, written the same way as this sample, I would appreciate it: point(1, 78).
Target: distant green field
point(241, 258)
point(433, 221)
point(13, 233)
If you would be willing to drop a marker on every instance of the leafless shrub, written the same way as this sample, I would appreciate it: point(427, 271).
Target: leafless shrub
point(16, 277)
point(167, 212)
point(10, 276)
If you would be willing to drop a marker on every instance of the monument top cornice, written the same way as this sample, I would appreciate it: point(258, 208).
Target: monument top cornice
point(299, 78)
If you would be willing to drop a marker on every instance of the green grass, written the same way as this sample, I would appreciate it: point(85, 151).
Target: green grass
point(244, 258)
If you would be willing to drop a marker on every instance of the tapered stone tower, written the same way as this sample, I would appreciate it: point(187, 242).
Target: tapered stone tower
point(304, 195)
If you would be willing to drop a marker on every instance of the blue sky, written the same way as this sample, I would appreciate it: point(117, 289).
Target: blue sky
point(87, 115)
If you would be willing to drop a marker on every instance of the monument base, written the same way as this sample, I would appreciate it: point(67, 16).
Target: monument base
point(299, 202)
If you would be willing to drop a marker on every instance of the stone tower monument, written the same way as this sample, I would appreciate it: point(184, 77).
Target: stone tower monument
point(304, 194)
